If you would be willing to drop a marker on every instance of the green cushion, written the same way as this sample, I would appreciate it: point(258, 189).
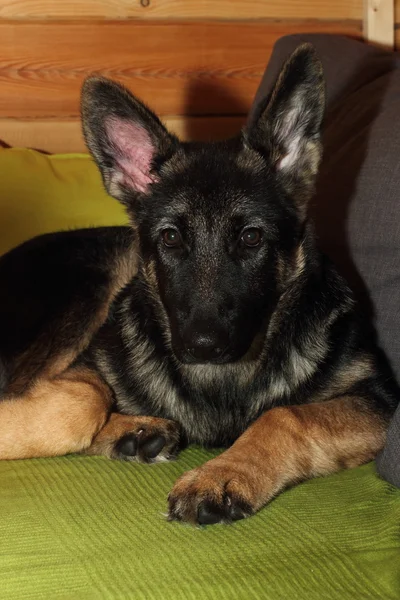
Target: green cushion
point(88, 527)
point(80, 527)
point(41, 194)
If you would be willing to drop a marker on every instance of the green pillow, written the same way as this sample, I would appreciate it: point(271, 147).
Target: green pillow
point(43, 193)
point(87, 527)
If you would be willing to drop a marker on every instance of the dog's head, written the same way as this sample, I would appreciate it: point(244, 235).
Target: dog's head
point(220, 225)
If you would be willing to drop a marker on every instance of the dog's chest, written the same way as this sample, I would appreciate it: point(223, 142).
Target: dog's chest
point(218, 407)
point(210, 414)
point(213, 403)
point(213, 408)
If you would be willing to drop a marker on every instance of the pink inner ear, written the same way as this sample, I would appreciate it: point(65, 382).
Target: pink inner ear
point(134, 152)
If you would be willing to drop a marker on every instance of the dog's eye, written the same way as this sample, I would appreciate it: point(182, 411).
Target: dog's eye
point(171, 238)
point(251, 237)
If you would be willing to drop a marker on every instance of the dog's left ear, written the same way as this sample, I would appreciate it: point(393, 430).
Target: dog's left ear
point(286, 128)
point(128, 142)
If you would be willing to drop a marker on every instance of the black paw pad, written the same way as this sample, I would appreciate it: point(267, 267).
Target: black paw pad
point(152, 446)
point(127, 445)
point(239, 510)
point(209, 513)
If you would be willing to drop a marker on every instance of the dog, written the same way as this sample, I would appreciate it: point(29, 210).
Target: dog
point(212, 319)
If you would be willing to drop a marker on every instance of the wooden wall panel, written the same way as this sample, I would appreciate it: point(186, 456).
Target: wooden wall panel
point(397, 24)
point(188, 68)
point(198, 60)
point(397, 11)
point(185, 9)
point(378, 23)
point(58, 136)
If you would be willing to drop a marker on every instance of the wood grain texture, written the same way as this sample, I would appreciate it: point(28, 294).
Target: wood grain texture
point(188, 68)
point(184, 9)
point(378, 24)
point(397, 24)
point(59, 136)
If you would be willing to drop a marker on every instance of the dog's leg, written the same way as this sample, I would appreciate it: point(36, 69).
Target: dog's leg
point(70, 413)
point(55, 416)
point(145, 439)
point(284, 446)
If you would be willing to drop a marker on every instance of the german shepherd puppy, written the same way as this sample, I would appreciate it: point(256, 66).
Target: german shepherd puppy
point(214, 318)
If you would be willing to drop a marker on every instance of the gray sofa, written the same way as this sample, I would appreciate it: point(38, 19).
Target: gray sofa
point(357, 207)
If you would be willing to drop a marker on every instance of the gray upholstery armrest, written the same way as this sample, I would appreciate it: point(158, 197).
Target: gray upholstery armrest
point(357, 205)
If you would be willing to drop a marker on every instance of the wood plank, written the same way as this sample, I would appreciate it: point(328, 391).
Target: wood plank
point(59, 136)
point(182, 9)
point(378, 24)
point(397, 39)
point(186, 68)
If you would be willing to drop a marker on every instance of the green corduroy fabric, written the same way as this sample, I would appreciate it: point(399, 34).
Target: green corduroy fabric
point(80, 527)
point(83, 527)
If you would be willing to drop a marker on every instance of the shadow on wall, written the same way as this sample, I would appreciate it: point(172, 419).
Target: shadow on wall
point(214, 126)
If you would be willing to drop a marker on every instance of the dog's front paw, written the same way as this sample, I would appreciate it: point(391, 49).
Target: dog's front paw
point(141, 439)
point(217, 492)
point(154, 440)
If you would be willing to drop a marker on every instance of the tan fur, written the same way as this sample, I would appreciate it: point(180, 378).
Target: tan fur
point(288, 270)
point(35, 363)
point(149, 270)
point(125, 269)
point(54, 417)
point(348, 375)
point(281, 269)
point(284, 446)
point(299, 261)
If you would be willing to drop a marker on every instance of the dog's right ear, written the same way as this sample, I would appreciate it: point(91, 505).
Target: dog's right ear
point(128, 142)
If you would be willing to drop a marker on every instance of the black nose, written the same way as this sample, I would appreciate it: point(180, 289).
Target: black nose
point(207, 345)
